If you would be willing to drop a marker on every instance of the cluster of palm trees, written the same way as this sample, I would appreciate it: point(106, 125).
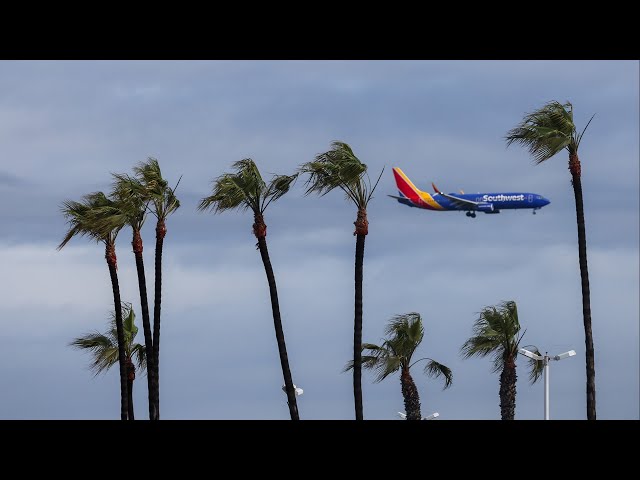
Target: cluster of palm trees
point(101, 217)
point(545, 132)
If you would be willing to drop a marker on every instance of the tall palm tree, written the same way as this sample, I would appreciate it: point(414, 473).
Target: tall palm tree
point(245, 189)
point(340, 168)
point(130, 195)
point(496, 332)
point(405, 333)
point(163, 203)
point(104, 349)
point(86, 218)
point(545, 132)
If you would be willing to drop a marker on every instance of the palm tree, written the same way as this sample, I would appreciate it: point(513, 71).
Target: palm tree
point(246, 190)
point(545, 132)
point(104, 349)
point(87, 218)
point(163, 203)
point(340, 168)
point(405, 333)
point(131, 198)
point(496, 332)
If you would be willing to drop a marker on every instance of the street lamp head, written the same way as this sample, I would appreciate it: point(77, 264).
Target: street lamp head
point(432, 416)
point(529, 354)
point(402, 415)
point(570, 353)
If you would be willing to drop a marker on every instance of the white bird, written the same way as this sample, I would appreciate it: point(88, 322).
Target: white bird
point(298, 391)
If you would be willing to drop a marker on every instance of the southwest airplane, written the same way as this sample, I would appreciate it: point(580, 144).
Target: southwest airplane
point(481, 202)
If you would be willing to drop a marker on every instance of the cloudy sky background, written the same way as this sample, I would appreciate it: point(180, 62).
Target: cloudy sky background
point(64, 126)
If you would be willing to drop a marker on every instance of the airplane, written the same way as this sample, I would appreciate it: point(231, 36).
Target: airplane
point(471, 203)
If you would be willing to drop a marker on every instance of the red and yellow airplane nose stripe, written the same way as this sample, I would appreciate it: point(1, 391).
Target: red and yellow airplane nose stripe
point(409, 190)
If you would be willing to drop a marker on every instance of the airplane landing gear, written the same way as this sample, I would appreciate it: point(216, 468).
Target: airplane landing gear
point(534, 211)
point(471, 214)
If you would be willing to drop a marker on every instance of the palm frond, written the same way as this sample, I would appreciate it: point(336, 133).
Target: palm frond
point(435, 370)
point(158, 191)
point(86, 218)
point(243, 189)
point(495, 333)
point(338, 168)
point(139, 353)
point(480, 346)
point(104, 346)
point(546, 131)
point(535, 367)
point(101, 348)
point(277, 187)
point(380, 359)
point(131, 198)
point(579, 139)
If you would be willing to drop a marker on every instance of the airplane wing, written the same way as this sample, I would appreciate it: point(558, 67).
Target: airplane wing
point(457, 201)
point(461, 202)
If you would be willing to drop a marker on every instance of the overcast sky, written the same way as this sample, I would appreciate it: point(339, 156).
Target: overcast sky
point(64, 126)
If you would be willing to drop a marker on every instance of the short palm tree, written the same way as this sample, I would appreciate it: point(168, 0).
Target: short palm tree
point(130, 195)
point(545, 132)
point(87, 218)
point(162, 203)
point(340, 168)
point(496, 332)
point(404, 335)
point(104, 349)
point(245, 189)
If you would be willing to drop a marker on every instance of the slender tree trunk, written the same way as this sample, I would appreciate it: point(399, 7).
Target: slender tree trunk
point(131, 376)
point(146, 324)
point(410, 395)
point(161, 231)
point(260, 230)
point(110, 255)
point(575, 169)
point(508, 379)
point(362, 229)
point(357, 328)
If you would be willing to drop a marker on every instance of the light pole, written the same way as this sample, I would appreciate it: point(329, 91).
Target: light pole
point(545, 359)
point(403, 416)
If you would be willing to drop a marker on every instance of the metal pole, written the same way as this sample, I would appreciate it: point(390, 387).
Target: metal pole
point(546, 386)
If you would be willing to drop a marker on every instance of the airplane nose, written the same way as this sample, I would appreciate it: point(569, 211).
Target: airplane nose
point(545, 201)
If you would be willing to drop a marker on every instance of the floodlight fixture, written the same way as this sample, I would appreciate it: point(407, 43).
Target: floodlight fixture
point(403, 416)
point(529, 354)
point(545, 359)
point(564, 355)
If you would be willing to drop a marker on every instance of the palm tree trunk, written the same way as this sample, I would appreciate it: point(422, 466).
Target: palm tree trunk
point(130, 395)
point(410, 395)
point(574, 167)
point(161, 231)
point(110, 255)
point(357, 328)
point(508, 380)
point(146, 324)
point(260, 230)
point(131, 376)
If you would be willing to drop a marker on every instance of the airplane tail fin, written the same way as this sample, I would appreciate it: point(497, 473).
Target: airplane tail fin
point(406, 187)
